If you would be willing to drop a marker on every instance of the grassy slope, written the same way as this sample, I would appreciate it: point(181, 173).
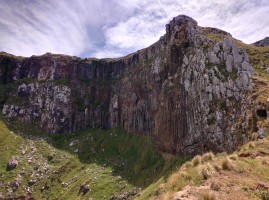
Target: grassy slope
point(259, 58)
point(242, 175)
point(109, 162)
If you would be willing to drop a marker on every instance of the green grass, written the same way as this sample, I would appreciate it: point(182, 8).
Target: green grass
point(260, 61)
point(110, 162)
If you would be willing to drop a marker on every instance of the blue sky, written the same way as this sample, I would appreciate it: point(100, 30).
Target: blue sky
point(113, 28)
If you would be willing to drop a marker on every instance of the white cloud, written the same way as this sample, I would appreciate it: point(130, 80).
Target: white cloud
point(114, 28)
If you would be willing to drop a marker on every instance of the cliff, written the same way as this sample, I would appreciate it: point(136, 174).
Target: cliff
point(186, 90)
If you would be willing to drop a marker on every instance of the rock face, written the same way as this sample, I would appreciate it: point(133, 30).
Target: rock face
point(187, 91)
point(262, 43)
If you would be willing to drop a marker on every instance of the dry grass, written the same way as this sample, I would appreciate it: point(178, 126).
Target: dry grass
point(196, 160)
point(177, 180)
point(215, 186)
point(217, 167)
point(251, 145)
point(233, 157)
point(227, 164)
point(187, 165)
point(207, 195)
point(185, 175)
point(264, 161)
point(207, 171)
point(208, 157)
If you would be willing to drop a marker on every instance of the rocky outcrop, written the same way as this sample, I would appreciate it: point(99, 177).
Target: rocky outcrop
point(187, 91)
point(262, 43)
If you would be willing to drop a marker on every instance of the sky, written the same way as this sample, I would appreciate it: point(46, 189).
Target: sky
point(114, 28)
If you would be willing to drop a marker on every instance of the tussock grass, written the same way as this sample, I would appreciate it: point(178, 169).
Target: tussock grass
point(207, 171)
point(264, 161)
point(196, 160)
point(187, 165)
point(178, 180)
point(207, 157)
point(207, 195)
point(251, 145)
point(226, 164)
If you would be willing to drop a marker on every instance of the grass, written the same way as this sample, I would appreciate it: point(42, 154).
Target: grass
point(110, 162)
point(196, 160)
point(247, 169)
point(233, 157)
point(207, 171)
point(208, 196)
point(259, 60)
point(216, 35)
point(226, 164)
point(207, 157)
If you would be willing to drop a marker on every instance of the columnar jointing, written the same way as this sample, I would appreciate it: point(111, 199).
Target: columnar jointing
point(187, 91)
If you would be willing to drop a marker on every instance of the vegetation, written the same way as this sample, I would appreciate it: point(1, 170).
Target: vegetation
point(259, 58)
point(108, 163)
point(243, 174)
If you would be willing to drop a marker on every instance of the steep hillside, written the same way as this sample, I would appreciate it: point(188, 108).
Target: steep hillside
point(89, 164)
point(186, 90)
point(242, 175)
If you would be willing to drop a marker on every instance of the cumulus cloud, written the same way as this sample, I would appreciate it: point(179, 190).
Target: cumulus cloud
point(114, 28)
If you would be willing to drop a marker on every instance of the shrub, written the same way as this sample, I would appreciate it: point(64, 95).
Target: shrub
point(207, 171)
point(251, 145)
point(188, 164)
point(196, 160)
point(217, 167)
point(264, 161)
point(207, 157)
point(208, 196)
point(185, 175)
point(226, 164)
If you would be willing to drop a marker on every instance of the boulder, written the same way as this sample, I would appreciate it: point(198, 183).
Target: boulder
point(12, 164)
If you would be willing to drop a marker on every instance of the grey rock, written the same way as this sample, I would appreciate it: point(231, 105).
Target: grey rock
point(262, 133)
point(179, 91)
point(12, 164)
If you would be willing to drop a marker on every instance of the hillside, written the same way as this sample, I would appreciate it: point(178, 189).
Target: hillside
point(93, 164)
point(241, 175)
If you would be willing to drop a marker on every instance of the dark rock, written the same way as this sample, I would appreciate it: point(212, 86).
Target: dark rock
point(50, 157)
point(12, 164)
point(84, 189)
point(262, 133)
point(128, 195)
point(246, 155)
point(14, 185)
